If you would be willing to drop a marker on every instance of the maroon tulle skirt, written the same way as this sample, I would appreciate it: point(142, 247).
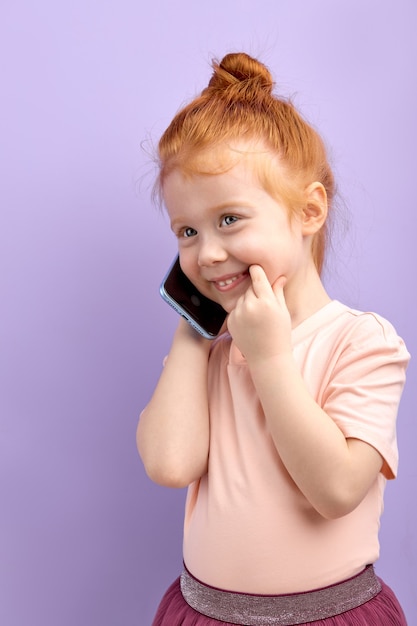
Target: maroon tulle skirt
point(382, 610)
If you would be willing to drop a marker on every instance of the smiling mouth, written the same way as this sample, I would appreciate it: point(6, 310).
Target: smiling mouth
point(229, 281)
point(226, 282)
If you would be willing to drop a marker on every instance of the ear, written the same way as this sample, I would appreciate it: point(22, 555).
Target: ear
point(314, 213)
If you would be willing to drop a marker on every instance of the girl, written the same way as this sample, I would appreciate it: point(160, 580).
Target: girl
point(283, 428)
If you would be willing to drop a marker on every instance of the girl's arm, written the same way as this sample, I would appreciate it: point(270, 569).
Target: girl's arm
point(173, 430)
point(334, 473)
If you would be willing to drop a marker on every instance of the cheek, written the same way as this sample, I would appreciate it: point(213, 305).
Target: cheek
point(190, 267)
point(185, 262)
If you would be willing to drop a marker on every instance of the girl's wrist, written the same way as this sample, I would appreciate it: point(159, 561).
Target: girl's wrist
point(187, 333)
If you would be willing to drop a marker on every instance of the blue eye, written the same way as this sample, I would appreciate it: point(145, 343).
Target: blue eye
point(189, 232)
point(229, 219)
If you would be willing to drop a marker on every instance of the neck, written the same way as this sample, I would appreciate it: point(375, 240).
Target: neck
point(306, 296)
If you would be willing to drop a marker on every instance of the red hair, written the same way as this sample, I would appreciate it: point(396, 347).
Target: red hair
point(239, 105)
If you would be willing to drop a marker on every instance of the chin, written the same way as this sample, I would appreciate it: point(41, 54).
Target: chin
point(228, 305)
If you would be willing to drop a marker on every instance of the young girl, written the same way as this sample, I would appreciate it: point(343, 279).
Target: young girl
point(283, 428)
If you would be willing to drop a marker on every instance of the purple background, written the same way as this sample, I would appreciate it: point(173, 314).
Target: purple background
point(85, 537)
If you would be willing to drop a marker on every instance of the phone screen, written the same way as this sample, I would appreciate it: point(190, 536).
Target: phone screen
point(205, 315)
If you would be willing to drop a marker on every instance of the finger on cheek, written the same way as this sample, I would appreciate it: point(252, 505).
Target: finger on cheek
point(256, 272)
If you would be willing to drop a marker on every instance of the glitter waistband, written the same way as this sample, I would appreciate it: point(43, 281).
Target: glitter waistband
point(281, 610)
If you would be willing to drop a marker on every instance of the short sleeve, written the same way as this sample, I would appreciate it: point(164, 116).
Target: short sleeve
point(364, 391)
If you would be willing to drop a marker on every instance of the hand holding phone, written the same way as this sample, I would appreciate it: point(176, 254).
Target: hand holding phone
point(205, 316)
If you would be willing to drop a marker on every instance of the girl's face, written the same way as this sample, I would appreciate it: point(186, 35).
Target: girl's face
point(225, 223)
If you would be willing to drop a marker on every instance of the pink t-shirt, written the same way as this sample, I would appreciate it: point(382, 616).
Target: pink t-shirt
point(247, 526)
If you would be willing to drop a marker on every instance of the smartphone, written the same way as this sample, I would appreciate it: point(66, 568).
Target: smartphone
point(205, 315)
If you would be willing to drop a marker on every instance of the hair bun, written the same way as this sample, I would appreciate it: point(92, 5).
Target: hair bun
point(237, 68)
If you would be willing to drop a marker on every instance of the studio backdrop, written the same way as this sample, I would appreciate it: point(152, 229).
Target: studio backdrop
point(87, 87)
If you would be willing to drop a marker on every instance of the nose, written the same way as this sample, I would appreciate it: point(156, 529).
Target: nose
point(211, 251)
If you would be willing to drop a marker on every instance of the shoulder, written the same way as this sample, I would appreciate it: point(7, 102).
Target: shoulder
point(344, 344)
point(369, 332)
point(339, 331)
